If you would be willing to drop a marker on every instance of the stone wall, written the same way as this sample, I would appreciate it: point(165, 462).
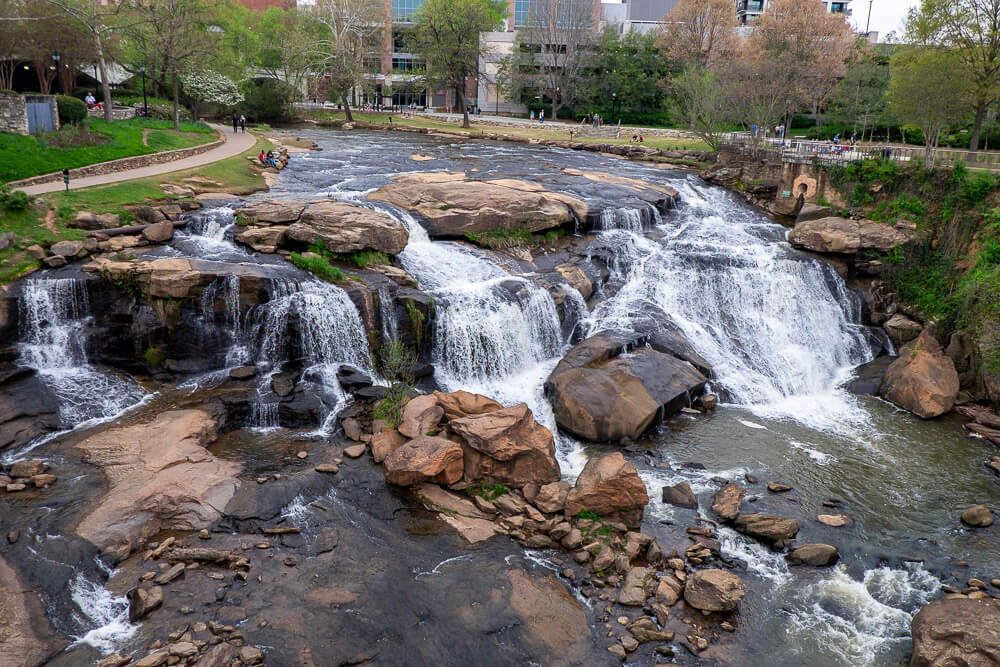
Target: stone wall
point(13, 114)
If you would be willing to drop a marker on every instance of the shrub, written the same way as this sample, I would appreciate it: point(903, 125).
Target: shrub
point(14, 200)
point(71, 110)
point(366, 258)
point(395, 363)
point(319, 266)
point(266, 99)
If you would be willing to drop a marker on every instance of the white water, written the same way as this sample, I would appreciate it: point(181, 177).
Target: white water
point(104, 613)
point(54, 315)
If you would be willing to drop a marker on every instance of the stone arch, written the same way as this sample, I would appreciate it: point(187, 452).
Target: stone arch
point(804, 185)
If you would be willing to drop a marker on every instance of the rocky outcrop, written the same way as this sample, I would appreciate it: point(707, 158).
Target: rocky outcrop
point(453, 207)
point(27, 408)
point(902, 329)
point(713, 590)
point(26, 638)
point(956, 632)
point(601, 394)
point(817, 555)
point(775, 530)
point(609, 486)
point(680, 495)
point(173, 278)
point(424, 459)
point(160, 477)
point(847, 237)
point(271, 212)
point(727, 500)
point(660, 196)
point(923, 379)
point(459, 404)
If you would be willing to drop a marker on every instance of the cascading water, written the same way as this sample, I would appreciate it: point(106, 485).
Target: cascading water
point(226, 289)
point(53, 320)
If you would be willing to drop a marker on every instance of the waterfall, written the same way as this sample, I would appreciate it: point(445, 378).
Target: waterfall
point(212, 224)
point(390, 328)
point(628, 218)
point(227, 290)
point(54, 315)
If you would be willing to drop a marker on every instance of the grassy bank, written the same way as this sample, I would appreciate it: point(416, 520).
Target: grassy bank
point(541, 131)
point(91, 142)
point(44, 221)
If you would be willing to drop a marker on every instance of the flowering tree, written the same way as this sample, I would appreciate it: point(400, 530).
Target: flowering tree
point(206, 86)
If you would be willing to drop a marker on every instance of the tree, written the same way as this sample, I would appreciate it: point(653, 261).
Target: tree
point(349, 30)
point(699, 31)
point(972, 28)
point(206, 86)
point(285, 46)
point(12, 35)
point(924, 91)
point(553, 51)
point(626, 76)
point(859, 98)
point(704, 99)
point(758, 90)
point(446, 35)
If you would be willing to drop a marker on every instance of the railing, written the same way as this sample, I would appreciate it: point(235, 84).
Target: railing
point(803, 150)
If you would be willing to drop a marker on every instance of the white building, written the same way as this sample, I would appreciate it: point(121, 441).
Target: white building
point(747, 11)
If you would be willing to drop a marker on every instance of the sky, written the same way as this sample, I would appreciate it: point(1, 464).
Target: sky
point(887, 15)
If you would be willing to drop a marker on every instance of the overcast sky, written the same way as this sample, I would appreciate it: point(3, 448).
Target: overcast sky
point(887, 15)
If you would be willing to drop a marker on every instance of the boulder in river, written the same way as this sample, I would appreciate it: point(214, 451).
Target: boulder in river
point(818, 555)
point(923, 379)
point(680, 495)
point(425, 459)
point(610, 487)
point(507, 446)
point(346, 228)
point(458, 404)
point(956, 632)
point(978, 516)
point(601, 394)
point(28, 408)
point(775, 530)
point(454, 207)
point(713, 590)
point(727, 501)
point(847, 237)
point(26, 637)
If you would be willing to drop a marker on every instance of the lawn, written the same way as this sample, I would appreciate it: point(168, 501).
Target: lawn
point(547, 131)
point(93, 141)
point(45, 221)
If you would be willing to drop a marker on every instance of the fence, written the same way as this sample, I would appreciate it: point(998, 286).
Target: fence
point(807, 151)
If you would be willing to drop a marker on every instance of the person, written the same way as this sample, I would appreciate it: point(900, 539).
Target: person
point(836, 140)
point(261, 158)
point(531, 116)
point(541, 116)
point(640, 139)
point(854, 138)
point(635, 138)
point(90, 100)
point(236, 123)
point(243, 123)
point(270, 159)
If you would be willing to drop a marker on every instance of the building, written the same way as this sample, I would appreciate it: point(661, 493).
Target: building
point(747, 11)
point(637, 15)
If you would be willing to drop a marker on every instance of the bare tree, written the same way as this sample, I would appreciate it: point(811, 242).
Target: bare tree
point(758, 93)
point(703, 96)
point(349, 31)
point(699, 31)
point(553, 51)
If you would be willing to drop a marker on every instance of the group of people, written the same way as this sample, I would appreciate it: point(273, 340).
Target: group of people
point(593, 119)
point(637, 138)
point(270, 159)
point(239, 123)
point(541, 116)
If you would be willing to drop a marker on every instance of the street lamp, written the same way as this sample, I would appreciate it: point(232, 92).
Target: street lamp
point(145, 107)
point(55, 59)
point(613, 101)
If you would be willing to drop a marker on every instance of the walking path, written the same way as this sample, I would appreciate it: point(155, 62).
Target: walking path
point(235, 144)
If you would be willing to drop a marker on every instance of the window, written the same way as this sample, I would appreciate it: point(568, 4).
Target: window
point(838, 7)
point(406, 65)
point(404, 10)
point(522, 12)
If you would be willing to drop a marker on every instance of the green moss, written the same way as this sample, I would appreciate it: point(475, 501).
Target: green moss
point(154, 355)
point(587, 514)
point(416, 321)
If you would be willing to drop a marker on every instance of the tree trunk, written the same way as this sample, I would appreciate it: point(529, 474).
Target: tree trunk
point(102, 65)
point(460, 98)
point(347, 106)
point(177, 99)
point(977, 128)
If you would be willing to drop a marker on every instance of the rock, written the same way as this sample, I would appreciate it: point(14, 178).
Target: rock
point(352, 429)
point(36, 251)
point(727, 500)
point(834, 520)
point(346, 228)
point(243, 372)
point(680, 495)
point(154, 659)
point(708, 401)
point(160, 477)
point(159, 232)
point(142, 601)
point(148, 215)
point(507, 446)
point(84, 220)
point(219, 655)
point(713, 590)
point(385, 442)
point(644, 630)
point(902, 329)
point(956, 632)
point(843, 236)
point(263, 239)
point(425, 459)
point(331, 468)
point(610, 487)
point(775, 530)
point(26, 637)
point(552, 497)
point(27, 468)
point(27, 408)
point(114, 660)
point(459, 404)
point(183, 649)
point(42, 481)
point(813, 212)
point(55, 261)
point(421, 415)
point(453, 207)
point(577, 279)
point(978, 516)
point(818, 555)
point(778, 487)
point(271, 212)
point(600, 396)
point(250, 655)
point(922, 380)
point(553, 623)
point(68, 249)
point(634, 592)
point(667, 592)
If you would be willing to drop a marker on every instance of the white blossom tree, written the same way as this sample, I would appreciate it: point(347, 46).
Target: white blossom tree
point(208, 87)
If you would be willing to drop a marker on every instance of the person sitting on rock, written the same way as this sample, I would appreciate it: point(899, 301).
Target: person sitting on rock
point(261, 158)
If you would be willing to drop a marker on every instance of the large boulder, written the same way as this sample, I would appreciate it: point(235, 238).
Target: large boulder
point(26, 637)
point(680, 495)
point(424, 459)
point(775, 530)
point(902, 329)
point(817, 555)
point(453, 207)
point(160, 477)
point(923, 379)
point(713, 590)
point(421, 415)
point(507, 446)
point(847, 237)
point(609, 486)
point(601, 394)
point(271, 212)
point(458, 404)
point(28, 408)
point(346, 228)
point(957, 632)
point(727, 501)
point(263, 239)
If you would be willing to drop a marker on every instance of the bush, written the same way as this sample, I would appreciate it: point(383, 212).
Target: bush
point(71, 110)
point(266, 99)
point(14, 200)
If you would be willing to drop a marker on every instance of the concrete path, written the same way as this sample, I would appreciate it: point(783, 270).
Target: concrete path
point(235, 144)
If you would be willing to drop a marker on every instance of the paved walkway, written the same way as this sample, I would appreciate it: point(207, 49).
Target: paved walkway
point(235, 144)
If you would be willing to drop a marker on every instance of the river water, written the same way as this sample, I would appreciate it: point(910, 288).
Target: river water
point(780, 329)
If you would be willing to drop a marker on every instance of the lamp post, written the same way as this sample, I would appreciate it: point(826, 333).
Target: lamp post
point(145, 107)
point(614, 100)
point(55, 59)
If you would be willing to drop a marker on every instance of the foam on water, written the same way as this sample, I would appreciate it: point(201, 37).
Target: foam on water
point(105, 614)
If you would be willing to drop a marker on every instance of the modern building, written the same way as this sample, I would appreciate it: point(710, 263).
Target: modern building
point(637, 15)
point(747, 11)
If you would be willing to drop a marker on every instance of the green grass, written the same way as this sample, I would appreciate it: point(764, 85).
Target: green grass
point(366, 258)
point(511, 238)
point(92, 142)
point(319, 266)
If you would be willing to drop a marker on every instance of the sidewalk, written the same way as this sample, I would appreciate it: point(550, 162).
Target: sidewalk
point(235, 144)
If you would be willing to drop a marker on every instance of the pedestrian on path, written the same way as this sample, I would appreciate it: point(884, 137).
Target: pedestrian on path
point(243, 123)
point(541, 116)
point(236, 123)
